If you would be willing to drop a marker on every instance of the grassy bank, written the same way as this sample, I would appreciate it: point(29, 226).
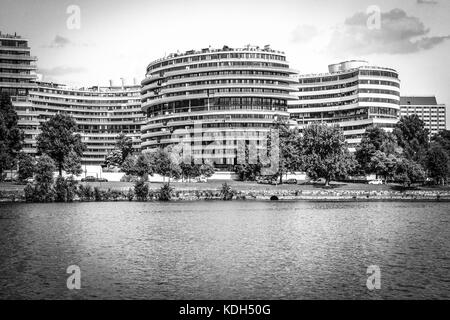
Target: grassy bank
point(251, 190)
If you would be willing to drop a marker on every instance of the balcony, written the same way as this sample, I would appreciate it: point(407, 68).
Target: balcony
point(18, 57)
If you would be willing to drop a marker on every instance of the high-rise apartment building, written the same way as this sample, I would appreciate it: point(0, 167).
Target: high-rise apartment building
point(427, 109)
point(353, 95)
point(234, 95)
point(101, 113)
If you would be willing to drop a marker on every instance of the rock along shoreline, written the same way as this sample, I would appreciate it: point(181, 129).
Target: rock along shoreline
point(291, 195)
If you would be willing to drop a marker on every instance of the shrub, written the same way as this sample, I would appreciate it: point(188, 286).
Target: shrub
point(115, 195)
point(226, 193)
point(85, 193)
point(165, 193)
point(141, 190)
point(64, 189)
point(130, 194)
point(39, 192)
point(106, 195)
point(98, 195)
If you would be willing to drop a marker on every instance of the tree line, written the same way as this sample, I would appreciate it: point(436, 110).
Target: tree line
point(406, 155)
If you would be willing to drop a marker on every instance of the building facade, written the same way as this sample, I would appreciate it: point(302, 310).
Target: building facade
point(353, 95)
point(433, 115)
point(231, 95)
point(17, 75)
point(101, 113)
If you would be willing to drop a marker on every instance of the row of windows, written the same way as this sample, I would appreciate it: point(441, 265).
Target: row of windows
point(378, 73)
point(333, 87)
point(232, 55)
point(329, 96)
point(227, 73)
point(227, 64)
point(133, 93)
point(370, 99)
point(328, 78)
point(224, 81)
point(380, 91)
point(380, 82)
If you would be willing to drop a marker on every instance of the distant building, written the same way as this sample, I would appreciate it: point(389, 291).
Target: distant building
point(17, 76)
point(102, 113)
point(353, 95)
point(428, 110)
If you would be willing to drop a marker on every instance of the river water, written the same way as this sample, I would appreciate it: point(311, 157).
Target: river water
point(225, 250)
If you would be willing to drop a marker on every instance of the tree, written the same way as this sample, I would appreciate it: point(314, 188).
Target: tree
point(144, 165)
point(114, 158)
point(412, 137)
point(206, 170)
point(166, 162)
point(26, 166)
point(72, 164)
point(443, 139)
point(58, 139)
point(325, 153)
point(374, 141)
point(42, 190)
point(409, 172)
point(288, 148)
point(11, 137)
point(125, 145)
point(438, 163)
point(383, 165)
point(121, 151)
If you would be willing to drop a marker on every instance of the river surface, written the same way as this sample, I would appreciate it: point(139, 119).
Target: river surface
point(225, 250)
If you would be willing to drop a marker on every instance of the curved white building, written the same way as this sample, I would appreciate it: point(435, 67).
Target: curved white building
point(232, 94)
point(101, 113)
point(353, 95)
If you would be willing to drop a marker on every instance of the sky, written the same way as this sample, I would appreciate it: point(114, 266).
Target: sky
point(118, 39)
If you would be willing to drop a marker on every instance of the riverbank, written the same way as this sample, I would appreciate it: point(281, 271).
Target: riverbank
point(253, 191)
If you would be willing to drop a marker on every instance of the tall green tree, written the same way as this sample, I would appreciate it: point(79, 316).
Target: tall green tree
point(412, 137)
point(443, 139)
point(121, 151)
point(58, 139)
point(438, 164)
point(325, 153)
point(26, 166)
point(374, 141)
point(289, 145)
point(11, 137)
point(409, 172)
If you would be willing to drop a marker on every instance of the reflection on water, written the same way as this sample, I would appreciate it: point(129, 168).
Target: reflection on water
point(225, 250)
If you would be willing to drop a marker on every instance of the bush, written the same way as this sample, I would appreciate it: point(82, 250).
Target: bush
point(64, 189)
point(165, 193)
point(141, 190)
point(116, 195)
point(226, 193)
point(98, 195)
point(130, 194)
point(39, 193)
point(85, 193)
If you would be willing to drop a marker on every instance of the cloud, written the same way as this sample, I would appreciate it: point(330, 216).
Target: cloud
point(427, 2)
point(61, 71)
point(304, 33)
point(398, 34)
point(59, 42)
